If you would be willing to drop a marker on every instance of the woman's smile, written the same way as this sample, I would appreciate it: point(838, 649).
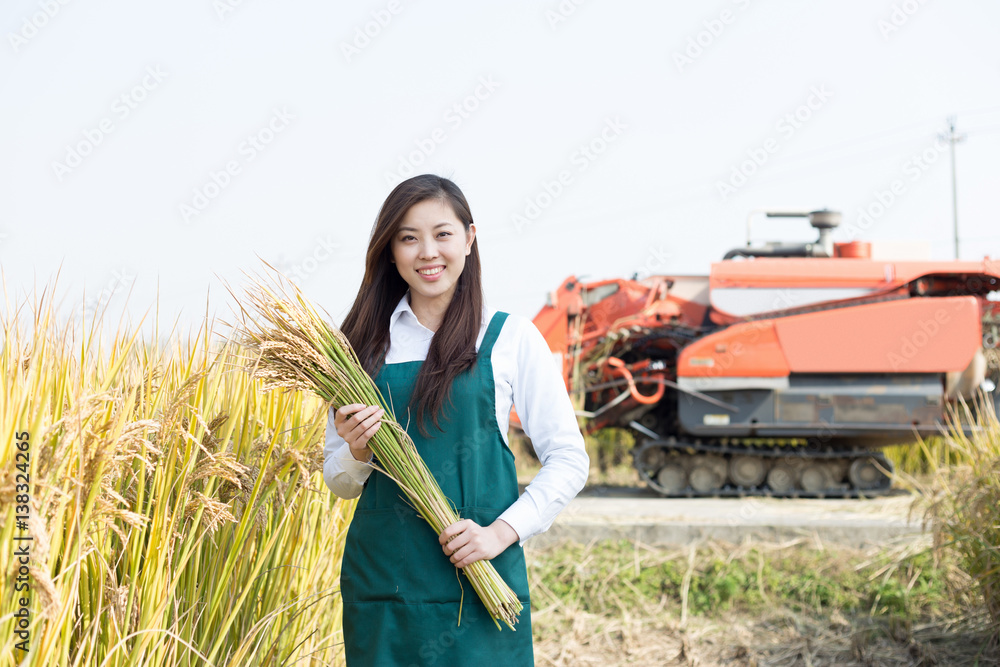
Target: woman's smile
point(432, 273)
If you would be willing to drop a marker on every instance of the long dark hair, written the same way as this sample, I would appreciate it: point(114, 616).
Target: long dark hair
point(453, 348)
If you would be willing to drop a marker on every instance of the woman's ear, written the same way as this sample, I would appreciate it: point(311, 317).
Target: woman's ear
point(471, 234)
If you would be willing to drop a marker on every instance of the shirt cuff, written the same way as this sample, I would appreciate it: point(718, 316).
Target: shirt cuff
point(358, 470)
point(523, 519)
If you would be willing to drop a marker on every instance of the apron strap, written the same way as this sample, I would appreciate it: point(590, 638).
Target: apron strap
point(492, 332)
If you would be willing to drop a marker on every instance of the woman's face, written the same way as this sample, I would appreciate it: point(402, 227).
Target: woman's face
point(430, 248)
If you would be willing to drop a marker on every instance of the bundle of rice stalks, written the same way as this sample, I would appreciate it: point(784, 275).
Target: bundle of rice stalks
point(295, 347)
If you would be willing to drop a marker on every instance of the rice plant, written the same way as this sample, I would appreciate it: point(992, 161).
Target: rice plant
point(965, 506)
point(177, 513)
point(924, 456)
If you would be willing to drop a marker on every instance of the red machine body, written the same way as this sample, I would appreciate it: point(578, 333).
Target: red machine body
point(784, 369)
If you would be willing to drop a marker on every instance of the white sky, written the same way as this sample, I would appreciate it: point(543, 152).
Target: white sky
point(306, 200)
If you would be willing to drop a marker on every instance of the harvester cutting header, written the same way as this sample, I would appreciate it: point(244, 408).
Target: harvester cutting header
point(783, 371)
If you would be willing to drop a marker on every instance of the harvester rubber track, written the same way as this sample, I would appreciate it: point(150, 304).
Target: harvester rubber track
point(714, 468)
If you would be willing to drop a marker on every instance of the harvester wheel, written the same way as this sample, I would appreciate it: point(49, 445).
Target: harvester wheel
point(816, 477)
point(654, 458)
point(747, 471)
point(672, 478)
point(781, 479)
point(868, 473)
point(708, 474)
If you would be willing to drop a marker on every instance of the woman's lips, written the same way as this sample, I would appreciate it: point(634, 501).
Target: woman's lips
point(434, 276)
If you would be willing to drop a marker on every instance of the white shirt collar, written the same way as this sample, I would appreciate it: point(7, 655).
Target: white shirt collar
point(404, 307)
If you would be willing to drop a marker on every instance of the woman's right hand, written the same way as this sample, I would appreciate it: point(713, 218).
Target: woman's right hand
point(356, 424)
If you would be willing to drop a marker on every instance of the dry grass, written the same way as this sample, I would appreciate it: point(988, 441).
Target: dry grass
point(963, 503)
point(593, 606)
point(776, 639)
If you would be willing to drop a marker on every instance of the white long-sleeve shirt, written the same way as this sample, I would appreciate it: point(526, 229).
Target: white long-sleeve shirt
point(525, 375)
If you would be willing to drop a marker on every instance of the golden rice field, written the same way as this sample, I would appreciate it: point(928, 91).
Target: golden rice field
point(173, 513)
point(163, 510)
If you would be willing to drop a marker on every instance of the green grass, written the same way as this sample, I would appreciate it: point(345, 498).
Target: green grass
point(611, 575)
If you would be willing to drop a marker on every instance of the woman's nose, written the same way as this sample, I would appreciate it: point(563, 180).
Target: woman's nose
point(428, 250)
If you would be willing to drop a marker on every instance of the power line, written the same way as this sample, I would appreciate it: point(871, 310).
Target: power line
point(697, 191)
point(973, 112)
point(858, 141)
point(979, 131)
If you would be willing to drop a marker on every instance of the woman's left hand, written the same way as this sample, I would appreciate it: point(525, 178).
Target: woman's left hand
point(466, 542)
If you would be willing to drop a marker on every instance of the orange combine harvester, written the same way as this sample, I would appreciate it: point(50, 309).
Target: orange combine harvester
point(785, 370)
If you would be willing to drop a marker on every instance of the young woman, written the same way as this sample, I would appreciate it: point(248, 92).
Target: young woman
point(451, 368)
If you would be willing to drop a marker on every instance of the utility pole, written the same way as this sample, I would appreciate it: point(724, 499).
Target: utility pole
point(953, 138)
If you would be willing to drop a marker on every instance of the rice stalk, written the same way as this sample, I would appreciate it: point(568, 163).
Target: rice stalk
point(175, 512)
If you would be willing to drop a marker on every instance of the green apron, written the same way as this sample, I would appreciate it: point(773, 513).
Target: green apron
point(400, 592)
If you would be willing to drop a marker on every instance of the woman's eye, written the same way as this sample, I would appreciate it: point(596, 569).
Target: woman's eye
point(409, 237)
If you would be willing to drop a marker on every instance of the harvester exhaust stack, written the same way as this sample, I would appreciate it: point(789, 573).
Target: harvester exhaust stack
point(823, 221)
